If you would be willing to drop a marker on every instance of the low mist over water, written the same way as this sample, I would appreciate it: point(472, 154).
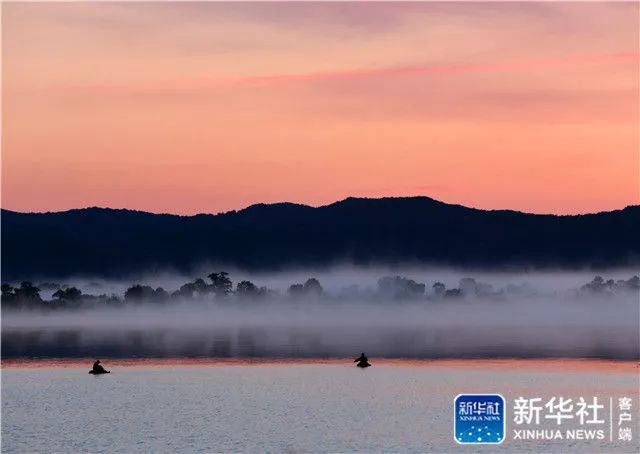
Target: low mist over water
point(428, 313)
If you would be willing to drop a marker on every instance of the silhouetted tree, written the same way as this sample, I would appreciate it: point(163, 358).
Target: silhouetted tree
point(195, 290)
point(186, 291)
point(313, 287)
point(160, 295)
point(296, 290)
point(140, 293)
point(8, 295)
point(201, 286)
point(69, 294)
point(439, 288)
point(398, 288)
point(7, 290)
point(453, 293)
point(221, 283)
point(247, 289)
point(632, 284)
point(598, 285)
point(27, 293)
point(470, 287)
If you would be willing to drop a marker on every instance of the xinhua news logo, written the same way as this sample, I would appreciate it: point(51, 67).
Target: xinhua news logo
point(479, 419)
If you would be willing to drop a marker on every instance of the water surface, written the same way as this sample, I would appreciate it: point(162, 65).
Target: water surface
point(287, 406)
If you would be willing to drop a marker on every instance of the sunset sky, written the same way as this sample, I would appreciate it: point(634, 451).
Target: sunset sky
point(208, 107)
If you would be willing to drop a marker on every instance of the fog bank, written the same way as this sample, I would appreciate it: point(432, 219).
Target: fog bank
point(509, 315)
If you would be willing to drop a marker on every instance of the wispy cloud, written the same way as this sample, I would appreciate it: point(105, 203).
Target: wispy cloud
point(550, 63)
point(201, 83)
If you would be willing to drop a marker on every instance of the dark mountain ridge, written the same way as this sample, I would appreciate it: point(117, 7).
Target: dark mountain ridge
point(413, 230)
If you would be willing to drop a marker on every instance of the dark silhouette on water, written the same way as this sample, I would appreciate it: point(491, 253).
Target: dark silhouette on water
point(362, 361)
point(98, 369)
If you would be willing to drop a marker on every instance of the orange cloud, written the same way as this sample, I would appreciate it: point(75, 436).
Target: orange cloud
point(320, 76)
point(523, 65)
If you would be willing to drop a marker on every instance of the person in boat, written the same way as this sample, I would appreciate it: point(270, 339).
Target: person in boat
point(362, 361)
point(98, 369)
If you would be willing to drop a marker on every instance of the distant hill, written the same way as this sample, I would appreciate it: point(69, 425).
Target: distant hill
point(416, 230)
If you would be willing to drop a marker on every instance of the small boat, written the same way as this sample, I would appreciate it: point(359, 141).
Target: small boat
point(362, 361)
point(97, 369)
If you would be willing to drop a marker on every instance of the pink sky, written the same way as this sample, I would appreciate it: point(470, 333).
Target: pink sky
point(207, 107)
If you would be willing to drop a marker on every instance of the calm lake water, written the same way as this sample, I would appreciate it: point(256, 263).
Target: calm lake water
point(284, 407)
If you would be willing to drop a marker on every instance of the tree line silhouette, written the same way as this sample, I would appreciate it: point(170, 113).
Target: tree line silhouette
point(220, 287)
